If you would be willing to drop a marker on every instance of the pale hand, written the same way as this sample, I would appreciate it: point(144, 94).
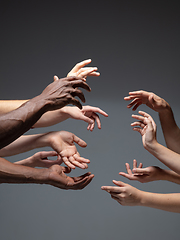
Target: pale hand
point(63, 143)
point(143, 175)
point(150, 99)
point(124, 193)
point(146, 127)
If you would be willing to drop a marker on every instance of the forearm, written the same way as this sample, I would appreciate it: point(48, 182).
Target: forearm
point(14, 173)
point(170, 176)
point(170, 129)
point(166, 156)
point(17, 122)
point(25, 143)
point(166, 202)
point(10, 105)
point(53, 117)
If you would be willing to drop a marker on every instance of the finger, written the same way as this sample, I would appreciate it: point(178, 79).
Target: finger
point(128, 169)
point(77, 92)
point(75, 163)
point(138, 130)
point(134, 163)
point(119, 183)
point(138, 117)
point(140, 165)
point(138, 124)
point(126, 175)
point(66, 161)
point(136, 106)
point(111, 189)
point(144, 114)
point(83, 183)
point(79, 141)
point(96, 117)
point(80, 83)
point(81, 159)
point(66, 169)
point(76, 179)
point(141, 170)
point(45, 154)
point(81, 65)
point(92, 125)
point(88, 72)
point(55, 78)
point(75, 102)
point(94, 109)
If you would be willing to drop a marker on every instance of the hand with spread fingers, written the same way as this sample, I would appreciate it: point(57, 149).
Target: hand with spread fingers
point(63, 143)
point(143, 175)
point(150, 99)
point(41, 159)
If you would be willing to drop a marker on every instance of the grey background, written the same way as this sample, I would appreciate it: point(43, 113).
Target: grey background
point(135, 45)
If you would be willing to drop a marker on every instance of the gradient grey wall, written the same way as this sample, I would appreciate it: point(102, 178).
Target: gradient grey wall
point(135, 45)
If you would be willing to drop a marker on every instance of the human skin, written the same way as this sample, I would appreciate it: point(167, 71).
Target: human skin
point(62, 142)
point(147, 128)
point(128, 195)
point(149, 174)
point(41, 159)
point(54, 176)
point(56, 95)
point(170, 129)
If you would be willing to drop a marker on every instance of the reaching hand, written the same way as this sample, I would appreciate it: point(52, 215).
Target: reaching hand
point(146, 127)
point(63, 91)
point(40, 159)
point(140, 174)
point(58, 178)
point(124, 194)
point(87, 114)
point(79, 70)
point(150, 99)
point(63, 143)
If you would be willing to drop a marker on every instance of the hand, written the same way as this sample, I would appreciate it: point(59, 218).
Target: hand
point(79, 70)
point(58, 178)
point(87, 114)
point(124, 194)
point(63, 91)
point(142, 175)
point(150, 99)
point(63, 143)
point(40, 159)
point(146, 127)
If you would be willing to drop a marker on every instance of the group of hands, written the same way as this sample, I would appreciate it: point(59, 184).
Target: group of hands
point(63, 143)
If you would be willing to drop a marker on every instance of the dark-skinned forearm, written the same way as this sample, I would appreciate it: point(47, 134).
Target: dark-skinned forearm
point(14, 173)
point(17, 122)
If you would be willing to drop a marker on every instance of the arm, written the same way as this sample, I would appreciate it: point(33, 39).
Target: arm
point(40, 159)
point(147, 128)
point(55, 176)
point(55, 96)
point(149, 174)
point(62, 142)
point(127, 195)
point(170, 129)
point(88, 114)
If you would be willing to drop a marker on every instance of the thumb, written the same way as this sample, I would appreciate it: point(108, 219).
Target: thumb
point(119, 183)
point(66, 169)
point(79, 141)
point(140, 170)
point(56, 78)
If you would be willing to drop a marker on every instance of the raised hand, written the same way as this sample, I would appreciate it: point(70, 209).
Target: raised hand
point(58, 178)
point(146, 127)
point(140, 174)
point(63, 143)
point(40, 159)
point(124, 193)
point(63, 91)
point(79, 70)
point(150, 99)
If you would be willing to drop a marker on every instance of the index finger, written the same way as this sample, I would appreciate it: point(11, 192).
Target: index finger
point(80, 65)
